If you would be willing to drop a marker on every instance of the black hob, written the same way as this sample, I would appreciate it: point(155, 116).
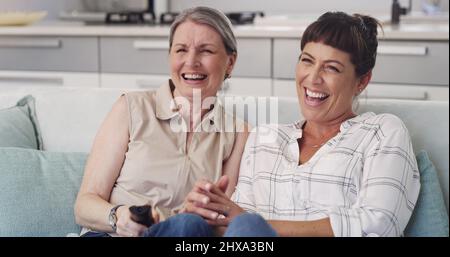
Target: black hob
point(167, 18)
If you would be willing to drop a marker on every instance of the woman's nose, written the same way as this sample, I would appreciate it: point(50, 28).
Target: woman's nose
point(315, 75)
point(192, 59)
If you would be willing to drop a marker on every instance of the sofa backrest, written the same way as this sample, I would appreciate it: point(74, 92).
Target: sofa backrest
point(427, 123)
point(70, 117)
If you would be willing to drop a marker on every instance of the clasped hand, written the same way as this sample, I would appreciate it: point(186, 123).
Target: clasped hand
point(209, 200)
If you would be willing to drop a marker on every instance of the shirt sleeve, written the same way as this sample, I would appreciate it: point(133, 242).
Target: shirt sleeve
point(243, 195)
point(390, 184)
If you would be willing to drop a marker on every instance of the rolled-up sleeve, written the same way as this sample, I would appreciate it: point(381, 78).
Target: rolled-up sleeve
point(389, 188)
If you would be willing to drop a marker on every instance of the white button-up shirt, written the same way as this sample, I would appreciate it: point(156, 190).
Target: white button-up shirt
point(365, 179)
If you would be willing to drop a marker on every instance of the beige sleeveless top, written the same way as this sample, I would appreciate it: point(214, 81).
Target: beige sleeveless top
point(157, 169)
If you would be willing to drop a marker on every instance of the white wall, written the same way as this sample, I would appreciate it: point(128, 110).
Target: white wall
point(299, 6)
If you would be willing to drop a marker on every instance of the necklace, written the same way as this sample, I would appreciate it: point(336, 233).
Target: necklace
point(314, 145)
point(327, 137)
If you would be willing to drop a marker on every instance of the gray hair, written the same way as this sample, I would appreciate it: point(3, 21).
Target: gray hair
point(211, 17)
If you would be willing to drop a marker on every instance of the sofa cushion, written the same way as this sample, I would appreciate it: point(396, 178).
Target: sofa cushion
point(38, 191)
point(430, 217)
point(19, 126)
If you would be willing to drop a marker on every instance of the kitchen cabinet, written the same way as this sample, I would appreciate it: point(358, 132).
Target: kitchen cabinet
point(283, 88)
point(248, 87)
point(48, 79)
point(254, 58)
point(121, 80)
point(410, 65)
point(49, 61)
point(412, 62)
point(149, 55)
point(233, 86)
point(408, 62)
point(404, 69)
point(77, 54)
point(134, 55)
point(142, 62)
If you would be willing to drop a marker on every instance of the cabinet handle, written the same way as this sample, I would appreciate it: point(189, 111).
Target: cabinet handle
point(51, 81)
point(31, 43)
point(151, 45)
point(395, 93)
point(403, 50)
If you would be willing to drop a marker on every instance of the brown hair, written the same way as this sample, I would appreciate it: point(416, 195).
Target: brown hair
point(355, 35)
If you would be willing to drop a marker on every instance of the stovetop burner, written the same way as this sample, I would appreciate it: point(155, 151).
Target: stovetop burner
point(130, 18)
point(242, 18)
point(167, 18)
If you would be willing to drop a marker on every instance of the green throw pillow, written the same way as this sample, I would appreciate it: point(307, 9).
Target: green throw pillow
point(38, 191)
point(430, 217)
point(19, 126)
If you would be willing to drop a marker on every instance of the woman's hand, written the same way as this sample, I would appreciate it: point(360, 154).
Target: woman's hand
point(210, 201)
point(155, 216)
point(127, 227)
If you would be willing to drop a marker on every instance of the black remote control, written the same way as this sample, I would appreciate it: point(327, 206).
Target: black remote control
point(142, 214)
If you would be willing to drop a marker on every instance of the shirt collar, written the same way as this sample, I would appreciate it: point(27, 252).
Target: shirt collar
point(296, 128)
point(356, 120)
point(166, 108)
point(165, 105)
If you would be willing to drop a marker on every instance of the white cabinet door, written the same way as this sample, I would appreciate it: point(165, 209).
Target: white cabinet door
point(233, 86)
point(376, 90)
point(117, 80)
point(284, 88)
point(247, 87)
point(55, 79)
point(406, 92)
point(42, 53)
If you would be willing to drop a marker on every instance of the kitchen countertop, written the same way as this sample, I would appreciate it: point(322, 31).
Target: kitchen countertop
point(419, 31)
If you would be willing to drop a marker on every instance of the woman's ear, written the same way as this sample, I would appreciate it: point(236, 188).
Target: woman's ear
point(231, 62)
point(363, 82)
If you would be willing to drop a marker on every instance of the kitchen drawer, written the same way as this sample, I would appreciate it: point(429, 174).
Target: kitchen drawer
point(54, 79)
point(134, 55)
point(116, 80)
point(285, 57)
point(248, 87)
point(287, 88)
point(412, 63)
point(234, 86)
point(150, 56)
point(424, 63)
point(49, 53)
point(254, 58)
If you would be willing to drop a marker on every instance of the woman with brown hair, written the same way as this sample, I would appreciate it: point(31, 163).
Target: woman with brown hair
point(333, 173)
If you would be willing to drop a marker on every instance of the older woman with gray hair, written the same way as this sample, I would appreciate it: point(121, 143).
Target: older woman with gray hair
point(140, 155)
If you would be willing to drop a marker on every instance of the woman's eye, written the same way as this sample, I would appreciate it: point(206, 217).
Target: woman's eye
point(305, 60)
point(332, 68)
point(207, 51)
point(181, 50)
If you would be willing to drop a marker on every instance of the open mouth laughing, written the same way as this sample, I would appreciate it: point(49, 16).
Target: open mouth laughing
point(193, 76)
point(314, 98)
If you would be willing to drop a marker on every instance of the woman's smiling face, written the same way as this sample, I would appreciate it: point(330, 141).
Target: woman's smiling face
point(198, 60)
point(326, 83)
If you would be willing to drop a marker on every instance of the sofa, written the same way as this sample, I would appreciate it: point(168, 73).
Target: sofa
point(39, 185)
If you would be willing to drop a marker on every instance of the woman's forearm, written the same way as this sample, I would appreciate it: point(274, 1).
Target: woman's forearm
point(316, 228)
point(91, 211)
